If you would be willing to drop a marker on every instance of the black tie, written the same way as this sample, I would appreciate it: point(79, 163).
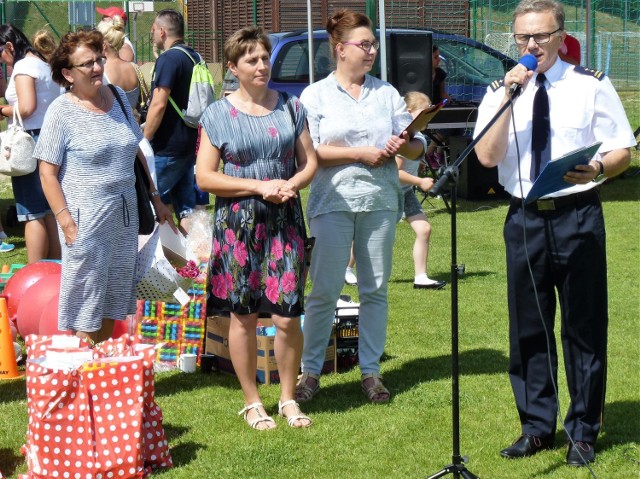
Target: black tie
point(541, 131)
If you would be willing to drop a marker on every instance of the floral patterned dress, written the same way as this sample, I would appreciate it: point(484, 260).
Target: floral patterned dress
point(257, 260)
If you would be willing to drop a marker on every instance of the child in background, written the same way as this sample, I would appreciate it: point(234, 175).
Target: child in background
point(408, 171)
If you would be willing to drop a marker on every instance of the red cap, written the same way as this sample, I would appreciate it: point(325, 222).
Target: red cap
point(112, 12)
point(570, 50)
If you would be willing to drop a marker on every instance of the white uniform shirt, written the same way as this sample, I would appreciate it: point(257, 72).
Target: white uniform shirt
point(584, 109)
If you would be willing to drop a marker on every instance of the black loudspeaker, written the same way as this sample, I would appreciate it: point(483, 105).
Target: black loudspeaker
point(475, 181)
point(409, 62)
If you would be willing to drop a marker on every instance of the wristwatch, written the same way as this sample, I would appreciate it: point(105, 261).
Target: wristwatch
point(154, 193)
point(600, 174)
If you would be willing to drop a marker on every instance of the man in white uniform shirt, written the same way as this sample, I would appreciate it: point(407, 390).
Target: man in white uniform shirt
point(564, 231)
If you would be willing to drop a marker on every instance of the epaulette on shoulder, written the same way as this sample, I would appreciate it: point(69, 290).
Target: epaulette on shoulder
point(589, 72)
point(496, 85)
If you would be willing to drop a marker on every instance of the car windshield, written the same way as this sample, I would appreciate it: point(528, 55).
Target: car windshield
point(292, 64)
point(469, 65)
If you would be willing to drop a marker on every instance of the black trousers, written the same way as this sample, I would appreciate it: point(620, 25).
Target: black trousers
point(566, 248)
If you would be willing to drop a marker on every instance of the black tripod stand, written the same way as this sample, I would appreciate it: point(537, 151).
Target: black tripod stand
point(448, 181)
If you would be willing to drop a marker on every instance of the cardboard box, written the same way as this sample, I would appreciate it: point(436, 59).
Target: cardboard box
point(217, 343)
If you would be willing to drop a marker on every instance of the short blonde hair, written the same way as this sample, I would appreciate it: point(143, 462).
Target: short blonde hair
point(112, 30)
point(416, 100)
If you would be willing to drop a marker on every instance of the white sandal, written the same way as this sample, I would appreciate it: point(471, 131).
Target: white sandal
point(254, 423)
point(298, 416)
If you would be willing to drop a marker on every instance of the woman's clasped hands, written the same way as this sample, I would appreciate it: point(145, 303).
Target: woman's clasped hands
point(279, 191)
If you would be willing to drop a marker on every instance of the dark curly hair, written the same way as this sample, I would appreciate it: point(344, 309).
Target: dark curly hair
point(69, 43)
point(21, 44)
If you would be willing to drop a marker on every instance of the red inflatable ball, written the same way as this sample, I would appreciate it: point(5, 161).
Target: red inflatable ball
point(48, 323)
point(23, 279)
point(14, 331)
point(37, 301)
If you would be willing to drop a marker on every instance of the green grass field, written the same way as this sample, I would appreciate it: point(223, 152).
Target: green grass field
point(411, 437)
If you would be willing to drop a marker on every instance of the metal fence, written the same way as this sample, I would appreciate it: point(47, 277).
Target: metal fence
point(60, 17)
point(608, 30)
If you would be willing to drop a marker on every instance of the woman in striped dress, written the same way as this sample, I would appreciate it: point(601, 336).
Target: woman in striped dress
point(86, 150)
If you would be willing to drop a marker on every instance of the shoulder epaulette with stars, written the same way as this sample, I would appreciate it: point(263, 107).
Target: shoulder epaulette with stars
point(496, 85)
point(589, 72)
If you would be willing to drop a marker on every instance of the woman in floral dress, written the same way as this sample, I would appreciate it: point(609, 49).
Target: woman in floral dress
point(257, 262)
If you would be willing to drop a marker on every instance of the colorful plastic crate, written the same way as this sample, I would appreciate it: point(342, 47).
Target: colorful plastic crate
point(180, 329)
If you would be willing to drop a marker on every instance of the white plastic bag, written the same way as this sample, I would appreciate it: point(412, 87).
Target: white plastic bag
point(156, 278)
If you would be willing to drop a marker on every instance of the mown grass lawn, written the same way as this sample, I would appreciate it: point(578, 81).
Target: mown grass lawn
point(411, 436)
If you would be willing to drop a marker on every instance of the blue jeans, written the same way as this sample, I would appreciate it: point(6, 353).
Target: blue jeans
point(175, 182)
point(373, 235)
point(31, 204)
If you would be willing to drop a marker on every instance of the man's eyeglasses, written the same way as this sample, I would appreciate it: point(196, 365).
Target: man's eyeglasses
point(90, 63)
point(539, 38)
point(366, 46)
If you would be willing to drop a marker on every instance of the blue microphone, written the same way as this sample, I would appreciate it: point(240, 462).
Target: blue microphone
point(530, 63)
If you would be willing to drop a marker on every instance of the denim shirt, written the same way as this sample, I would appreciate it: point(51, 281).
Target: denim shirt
point(336, 118)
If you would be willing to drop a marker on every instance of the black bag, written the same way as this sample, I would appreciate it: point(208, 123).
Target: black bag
point(146, 218)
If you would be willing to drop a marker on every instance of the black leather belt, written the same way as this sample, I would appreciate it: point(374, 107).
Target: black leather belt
point(558, 203)
point(34, 132)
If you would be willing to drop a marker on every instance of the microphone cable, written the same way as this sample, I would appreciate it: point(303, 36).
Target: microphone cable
point(537, 298)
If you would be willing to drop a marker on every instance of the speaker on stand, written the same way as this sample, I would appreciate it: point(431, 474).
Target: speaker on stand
point(410, 62)
point(475, 182)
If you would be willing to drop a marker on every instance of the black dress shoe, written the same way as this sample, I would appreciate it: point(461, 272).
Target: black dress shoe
point(434, 285)
point(583, 449)
point(527, 445)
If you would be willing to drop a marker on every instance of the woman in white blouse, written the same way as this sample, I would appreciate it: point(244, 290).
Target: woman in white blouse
point(357, 125)
point(32, 90)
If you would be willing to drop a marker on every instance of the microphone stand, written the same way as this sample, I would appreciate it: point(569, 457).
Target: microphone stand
point(449, 180)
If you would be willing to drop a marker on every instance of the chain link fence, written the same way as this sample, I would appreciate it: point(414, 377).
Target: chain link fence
point(608, 30)
point(60, 17)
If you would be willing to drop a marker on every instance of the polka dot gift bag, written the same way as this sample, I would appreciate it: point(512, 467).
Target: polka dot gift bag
point(85, 421)
point(155, 447)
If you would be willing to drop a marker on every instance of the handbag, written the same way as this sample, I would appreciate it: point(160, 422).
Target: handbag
point(143, 101)
point(16, 152)
point(146, 217)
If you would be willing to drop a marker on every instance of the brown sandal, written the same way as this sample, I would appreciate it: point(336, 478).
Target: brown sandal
point(303, 391)
point(376, 389)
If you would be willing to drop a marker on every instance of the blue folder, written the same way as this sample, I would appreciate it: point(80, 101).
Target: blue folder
point(550, 179)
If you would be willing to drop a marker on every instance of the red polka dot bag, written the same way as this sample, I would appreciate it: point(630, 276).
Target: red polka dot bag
point(85, 422)
point(150, 440)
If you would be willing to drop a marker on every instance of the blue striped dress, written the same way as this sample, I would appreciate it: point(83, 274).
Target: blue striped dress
point(257, 259)
point(95, 152)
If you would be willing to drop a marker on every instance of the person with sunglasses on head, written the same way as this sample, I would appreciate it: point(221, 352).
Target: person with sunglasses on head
point(87, 149)
point(556, 244)
point(32, 90)
point(357, 125)
point(117, 14)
